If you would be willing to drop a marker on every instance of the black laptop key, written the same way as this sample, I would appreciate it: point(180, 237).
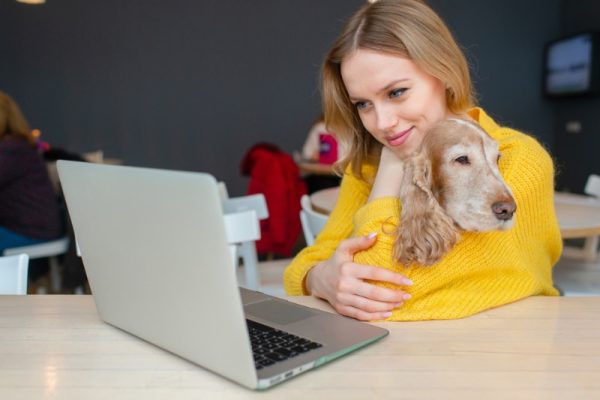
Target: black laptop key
point(299, 349)
point(266, 362)
point(270, 345)
point(276, 356)
point(287, 353)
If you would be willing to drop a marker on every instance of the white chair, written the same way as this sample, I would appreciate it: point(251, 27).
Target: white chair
point(254, 202)
point(49, 249)
point(312, 221)
point(592, 186)
point(13, 274)
point(589, 251)
point(242, 216)
point(242, 230)
point(590, 246)
point(223, 193)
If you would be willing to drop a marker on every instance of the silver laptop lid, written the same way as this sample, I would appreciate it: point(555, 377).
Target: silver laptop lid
point(150, 242)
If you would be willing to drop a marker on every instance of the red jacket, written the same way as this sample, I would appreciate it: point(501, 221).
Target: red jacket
point(275, 174)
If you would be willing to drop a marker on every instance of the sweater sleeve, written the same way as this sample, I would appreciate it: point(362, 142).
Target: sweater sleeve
point(535, 237)
point(353, 194)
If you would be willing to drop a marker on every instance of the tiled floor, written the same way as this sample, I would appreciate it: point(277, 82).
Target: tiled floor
point(573, 278)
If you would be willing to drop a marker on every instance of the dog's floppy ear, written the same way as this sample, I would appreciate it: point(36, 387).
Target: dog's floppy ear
point(426, 232)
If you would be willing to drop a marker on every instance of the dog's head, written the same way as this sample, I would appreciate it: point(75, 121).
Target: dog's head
point(452, 183)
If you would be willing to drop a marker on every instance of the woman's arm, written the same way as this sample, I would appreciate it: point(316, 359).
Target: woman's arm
point(337, 277)
point(353, 194)
point(389, 176)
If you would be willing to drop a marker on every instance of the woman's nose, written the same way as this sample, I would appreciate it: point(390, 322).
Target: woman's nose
point(386, 118)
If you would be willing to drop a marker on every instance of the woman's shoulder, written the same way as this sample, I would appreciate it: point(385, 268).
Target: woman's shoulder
point(524, 162)
point(358, 184)
point(510, 140)
point(366, 175)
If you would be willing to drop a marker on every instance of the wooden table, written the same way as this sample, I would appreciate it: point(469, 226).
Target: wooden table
point(55, 347)
point(324, 200)
point(311, 167)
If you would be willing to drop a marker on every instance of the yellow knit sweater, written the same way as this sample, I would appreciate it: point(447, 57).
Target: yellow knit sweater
point(483, 270)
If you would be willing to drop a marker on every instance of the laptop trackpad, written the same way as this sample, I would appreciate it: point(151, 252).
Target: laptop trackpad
point(279, 312)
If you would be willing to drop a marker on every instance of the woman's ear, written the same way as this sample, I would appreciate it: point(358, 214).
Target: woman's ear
point(426, 232)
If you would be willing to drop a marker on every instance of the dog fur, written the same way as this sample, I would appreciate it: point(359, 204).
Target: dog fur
point(451, 184)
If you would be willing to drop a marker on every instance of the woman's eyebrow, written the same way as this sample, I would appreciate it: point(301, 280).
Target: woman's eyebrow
point(383, 89)
point(390, 85)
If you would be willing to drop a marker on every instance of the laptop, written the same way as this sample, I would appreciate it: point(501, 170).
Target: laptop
point(156, 255)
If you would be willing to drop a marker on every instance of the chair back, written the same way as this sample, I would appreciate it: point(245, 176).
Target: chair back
point(45, 249)
point(241, 227)
point(242, 215)
point(312, 221)
point(254, 202)
point(13, 274)
point(50, 249)
point(592, 187)
point(223, 193)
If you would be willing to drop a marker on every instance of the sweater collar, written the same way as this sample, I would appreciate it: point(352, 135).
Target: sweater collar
point(484, 120)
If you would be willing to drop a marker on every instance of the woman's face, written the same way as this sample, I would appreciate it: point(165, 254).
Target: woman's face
point(396, 100)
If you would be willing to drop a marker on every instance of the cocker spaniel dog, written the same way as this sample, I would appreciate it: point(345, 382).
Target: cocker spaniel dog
point(451, 184)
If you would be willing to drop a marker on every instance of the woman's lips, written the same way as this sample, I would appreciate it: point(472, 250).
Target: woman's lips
point(399, 138)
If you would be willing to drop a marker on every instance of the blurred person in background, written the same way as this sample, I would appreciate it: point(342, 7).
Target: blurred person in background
point(29, 212)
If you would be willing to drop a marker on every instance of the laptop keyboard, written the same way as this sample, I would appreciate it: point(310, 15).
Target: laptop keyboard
point(270, 345)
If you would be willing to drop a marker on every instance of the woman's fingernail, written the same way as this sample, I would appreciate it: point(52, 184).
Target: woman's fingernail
point(406, 296)
point(407, 281)
point(398, 304)
point(371, 235)
point(387, 314)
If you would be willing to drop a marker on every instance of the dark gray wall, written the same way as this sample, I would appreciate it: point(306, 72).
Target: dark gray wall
point(577, 154)
point(504, 41)
point(188, 84)
point(180, 84)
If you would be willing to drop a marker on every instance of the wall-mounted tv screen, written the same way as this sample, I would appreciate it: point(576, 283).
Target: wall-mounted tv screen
point(571, 65)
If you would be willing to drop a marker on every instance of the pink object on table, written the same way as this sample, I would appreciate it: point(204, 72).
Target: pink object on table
point(328, 149)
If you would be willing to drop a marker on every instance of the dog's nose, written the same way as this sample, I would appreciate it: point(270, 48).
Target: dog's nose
point(504, 210)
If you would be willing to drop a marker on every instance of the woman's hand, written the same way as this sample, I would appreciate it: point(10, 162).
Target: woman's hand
point(389, 176)
point(341, 282)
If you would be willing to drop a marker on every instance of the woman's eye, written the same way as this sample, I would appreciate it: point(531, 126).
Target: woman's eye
point(463, 160)
point(360, 105)
point(397, 92)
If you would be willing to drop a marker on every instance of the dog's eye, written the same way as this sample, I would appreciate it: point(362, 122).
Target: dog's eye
point(463, 160)
point(498, 159)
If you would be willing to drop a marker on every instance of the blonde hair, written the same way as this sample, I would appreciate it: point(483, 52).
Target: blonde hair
point(12, 121)
point(408, 28)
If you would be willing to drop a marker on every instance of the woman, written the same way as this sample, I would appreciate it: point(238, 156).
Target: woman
point(29, 211)
point(394, 72)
